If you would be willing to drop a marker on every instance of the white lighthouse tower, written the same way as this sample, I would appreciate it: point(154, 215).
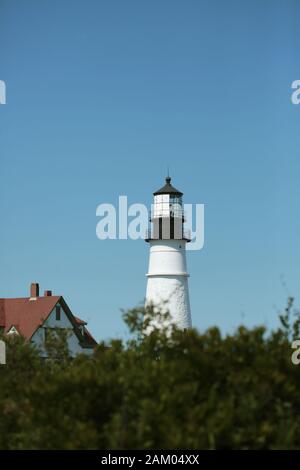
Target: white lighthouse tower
point(167, 284)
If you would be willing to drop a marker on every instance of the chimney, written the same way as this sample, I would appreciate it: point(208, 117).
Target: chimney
point(34, 290)
point(47, 293)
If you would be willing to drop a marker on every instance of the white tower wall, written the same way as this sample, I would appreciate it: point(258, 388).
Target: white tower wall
point(167, 284)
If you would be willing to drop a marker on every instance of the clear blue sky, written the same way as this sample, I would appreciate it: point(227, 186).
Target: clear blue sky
point(101, 97)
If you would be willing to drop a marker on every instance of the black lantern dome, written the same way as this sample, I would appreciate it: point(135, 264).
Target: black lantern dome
point(168, 189)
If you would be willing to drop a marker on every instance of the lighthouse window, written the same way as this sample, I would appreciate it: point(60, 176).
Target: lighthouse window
point(176, 200)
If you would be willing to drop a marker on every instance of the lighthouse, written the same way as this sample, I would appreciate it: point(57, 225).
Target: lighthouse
point(167, 277)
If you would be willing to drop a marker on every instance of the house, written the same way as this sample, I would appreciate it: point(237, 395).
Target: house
point(33, 317)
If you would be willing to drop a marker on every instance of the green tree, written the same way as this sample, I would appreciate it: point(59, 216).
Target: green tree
point(161, 390)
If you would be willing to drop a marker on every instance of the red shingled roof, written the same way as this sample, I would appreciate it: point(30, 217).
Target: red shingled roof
point(79, 321)
point(89, 338)
point(27, 315)
point(87, 335)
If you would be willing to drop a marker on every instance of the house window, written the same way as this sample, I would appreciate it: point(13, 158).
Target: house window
point(57, 313)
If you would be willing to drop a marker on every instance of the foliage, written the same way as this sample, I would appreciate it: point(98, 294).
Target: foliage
point(161, 390)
